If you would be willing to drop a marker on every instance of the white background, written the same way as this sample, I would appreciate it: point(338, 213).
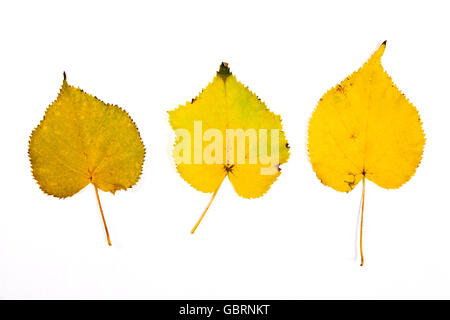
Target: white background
point(299, 240)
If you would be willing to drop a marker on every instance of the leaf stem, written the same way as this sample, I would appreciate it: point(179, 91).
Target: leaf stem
point(103, 216)
point(207, 207)
point(362, 219)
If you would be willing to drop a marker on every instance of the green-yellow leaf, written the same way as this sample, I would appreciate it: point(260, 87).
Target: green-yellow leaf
point(365, 128)
point(224, 105)
point(82, 140)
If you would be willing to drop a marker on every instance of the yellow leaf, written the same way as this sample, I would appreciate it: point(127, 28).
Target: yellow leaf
point(82, 140)
point(228, 131)
point(365, 128)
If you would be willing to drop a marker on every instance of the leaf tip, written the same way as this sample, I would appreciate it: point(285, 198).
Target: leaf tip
point(64, 84)
point(376, 56)
point(224, 70)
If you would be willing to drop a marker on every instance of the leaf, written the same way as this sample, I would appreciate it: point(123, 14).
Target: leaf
point(223, 106)
point(365, 128)
point(82, 140)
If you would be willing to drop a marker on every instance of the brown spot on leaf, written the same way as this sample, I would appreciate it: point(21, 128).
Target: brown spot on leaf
point(229, 168)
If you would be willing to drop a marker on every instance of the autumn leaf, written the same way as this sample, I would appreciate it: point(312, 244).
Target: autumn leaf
point(82, 140)
point(227, 131)
point(365, 128)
